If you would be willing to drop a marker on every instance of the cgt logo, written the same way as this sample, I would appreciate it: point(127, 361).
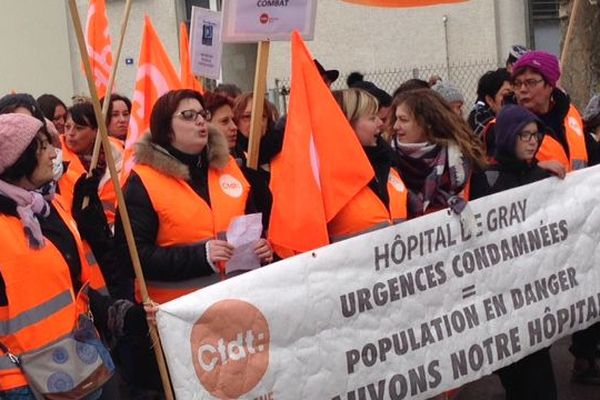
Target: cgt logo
point(230, 348)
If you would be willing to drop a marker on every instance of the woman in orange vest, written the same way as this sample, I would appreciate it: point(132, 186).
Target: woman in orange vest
point(383, 201)
point(436, 152)
point(81, 129)
point(181, 195)
point(45, 281)
point(221, 111)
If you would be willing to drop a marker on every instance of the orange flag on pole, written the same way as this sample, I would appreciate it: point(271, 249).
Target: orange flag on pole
point(402, 3)
point(97, 39)
point(188, 80)
point(321, 166)
point(155, 76)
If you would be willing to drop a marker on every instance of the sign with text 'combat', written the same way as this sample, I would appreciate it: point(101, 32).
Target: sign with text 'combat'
point(404, 312)
point(262, 20)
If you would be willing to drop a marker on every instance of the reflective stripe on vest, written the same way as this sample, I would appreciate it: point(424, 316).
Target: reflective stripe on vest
point(184, 218)
point(41, 305)
point(36, 314)
point(90, 270)
point(366, 212)
point(551, 149)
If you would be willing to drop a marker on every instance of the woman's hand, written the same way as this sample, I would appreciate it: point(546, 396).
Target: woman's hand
point(151, 308)
point(219, 250)
point(554, 167)
point(264, 251)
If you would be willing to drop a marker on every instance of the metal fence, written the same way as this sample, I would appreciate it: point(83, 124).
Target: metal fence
point(464, 75)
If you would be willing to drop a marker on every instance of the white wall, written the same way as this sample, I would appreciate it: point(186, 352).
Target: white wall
point(350, 37)
point(34, 47)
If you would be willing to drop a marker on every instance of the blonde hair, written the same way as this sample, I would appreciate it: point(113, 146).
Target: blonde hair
point(356, 103)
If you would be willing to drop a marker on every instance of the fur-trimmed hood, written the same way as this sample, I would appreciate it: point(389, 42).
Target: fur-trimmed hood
point(158, 157)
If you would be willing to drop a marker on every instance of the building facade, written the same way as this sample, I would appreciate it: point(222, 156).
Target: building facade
point(44, 58)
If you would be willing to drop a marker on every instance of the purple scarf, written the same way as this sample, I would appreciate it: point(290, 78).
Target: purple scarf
point(30, 205)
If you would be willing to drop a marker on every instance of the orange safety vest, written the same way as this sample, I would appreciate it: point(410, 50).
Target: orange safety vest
point(366, 212)
point(42, 307)
point(551, 149)
point(90, 270)
point(184, 218)
point(66, 183)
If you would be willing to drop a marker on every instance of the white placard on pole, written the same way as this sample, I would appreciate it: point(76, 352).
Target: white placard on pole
point(267, 20)
point(205, 43)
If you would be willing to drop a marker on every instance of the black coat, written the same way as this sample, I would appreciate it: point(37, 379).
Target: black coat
point(174, 263)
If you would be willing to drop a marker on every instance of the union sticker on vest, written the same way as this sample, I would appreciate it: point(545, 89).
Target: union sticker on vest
point(231, 186)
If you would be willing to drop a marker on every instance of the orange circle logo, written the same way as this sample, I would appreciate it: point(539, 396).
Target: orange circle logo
point(230, 348)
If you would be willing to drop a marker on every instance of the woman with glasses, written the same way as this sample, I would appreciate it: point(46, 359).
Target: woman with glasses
point(181, 195)
point(272, 139)
point(519, 134)
point(81, 129)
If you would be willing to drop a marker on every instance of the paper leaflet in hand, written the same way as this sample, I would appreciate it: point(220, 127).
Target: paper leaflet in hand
point(243, 233)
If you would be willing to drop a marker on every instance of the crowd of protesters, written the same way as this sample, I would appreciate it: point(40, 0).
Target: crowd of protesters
point(58, 212)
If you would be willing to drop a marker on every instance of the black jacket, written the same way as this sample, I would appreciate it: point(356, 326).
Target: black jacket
point(173, 263)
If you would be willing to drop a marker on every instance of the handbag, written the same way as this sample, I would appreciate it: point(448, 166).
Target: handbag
point(70, 368)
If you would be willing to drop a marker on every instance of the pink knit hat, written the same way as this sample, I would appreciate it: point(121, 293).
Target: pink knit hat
point(544, 63)
point(16, 133)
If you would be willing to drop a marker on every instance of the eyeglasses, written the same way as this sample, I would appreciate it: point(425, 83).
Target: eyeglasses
point(527, 136)
point(528, 83)
point(192, 115)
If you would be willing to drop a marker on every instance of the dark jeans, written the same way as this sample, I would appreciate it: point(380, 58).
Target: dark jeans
point(583, 344)
point(531, 378)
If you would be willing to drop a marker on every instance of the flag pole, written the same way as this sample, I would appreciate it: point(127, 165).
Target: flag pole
point(569, 33)
point(111, 81)
point(135, 259)
point(260, 86)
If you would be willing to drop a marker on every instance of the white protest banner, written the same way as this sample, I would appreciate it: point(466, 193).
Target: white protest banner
point(404, 312)
point(205, 45)
point(264, 20)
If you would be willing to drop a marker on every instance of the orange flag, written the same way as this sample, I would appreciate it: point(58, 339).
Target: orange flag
point(402, 3)
point(97, 39)
point(188, 80)
point(155, 76)
point(321, 166)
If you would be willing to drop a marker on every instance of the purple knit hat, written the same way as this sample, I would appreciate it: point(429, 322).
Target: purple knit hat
point(544, 63)
point(16, 133)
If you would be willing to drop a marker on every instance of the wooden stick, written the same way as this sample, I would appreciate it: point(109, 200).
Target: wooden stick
point(109, 87)
point(135, 259)
point(569, 34)
point(258, 100)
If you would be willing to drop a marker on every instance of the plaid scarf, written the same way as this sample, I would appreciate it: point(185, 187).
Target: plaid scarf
point(434, 174)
